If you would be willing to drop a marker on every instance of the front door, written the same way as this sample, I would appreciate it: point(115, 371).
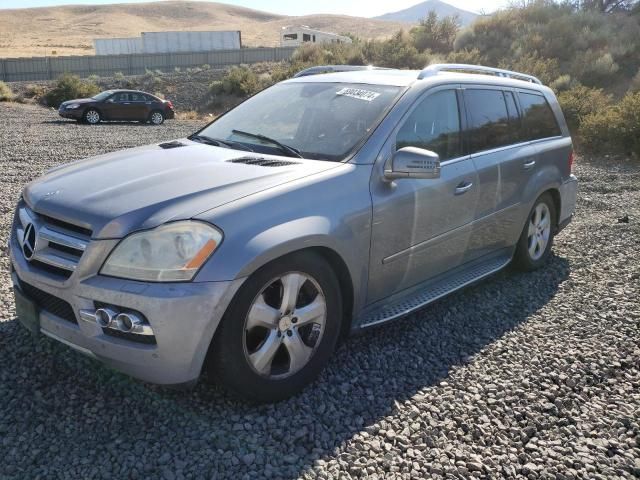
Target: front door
point(421, 228)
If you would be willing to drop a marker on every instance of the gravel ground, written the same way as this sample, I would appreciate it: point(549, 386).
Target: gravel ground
point(524, 375)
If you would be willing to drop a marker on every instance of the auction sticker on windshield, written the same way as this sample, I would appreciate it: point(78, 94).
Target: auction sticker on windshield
point(366, 95)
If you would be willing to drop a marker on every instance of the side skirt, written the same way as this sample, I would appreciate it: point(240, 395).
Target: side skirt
point(416, 297)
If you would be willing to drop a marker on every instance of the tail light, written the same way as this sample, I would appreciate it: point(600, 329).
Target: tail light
point(571, 161)
point(169, 104)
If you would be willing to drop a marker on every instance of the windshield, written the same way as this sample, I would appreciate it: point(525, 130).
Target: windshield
point(324, 121)
point(103, 95)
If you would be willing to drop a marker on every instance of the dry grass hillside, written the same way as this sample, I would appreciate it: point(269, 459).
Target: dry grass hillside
point(69, 30)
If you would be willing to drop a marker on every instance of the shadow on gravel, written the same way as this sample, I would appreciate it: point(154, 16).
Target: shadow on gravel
point(64, 413)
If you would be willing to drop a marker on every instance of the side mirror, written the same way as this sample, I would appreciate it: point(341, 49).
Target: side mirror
point(111, 100)
point(413, 162)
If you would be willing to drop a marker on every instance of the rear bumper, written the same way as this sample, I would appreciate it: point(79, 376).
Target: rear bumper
point(568, 197)
point(183, 316)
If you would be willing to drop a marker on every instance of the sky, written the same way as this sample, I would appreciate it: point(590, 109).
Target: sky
point(294, 7)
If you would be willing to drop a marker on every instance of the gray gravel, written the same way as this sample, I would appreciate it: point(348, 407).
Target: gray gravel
point(525, 375)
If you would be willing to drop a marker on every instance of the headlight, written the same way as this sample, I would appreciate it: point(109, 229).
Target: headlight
point(73, 106)
point(170, 253)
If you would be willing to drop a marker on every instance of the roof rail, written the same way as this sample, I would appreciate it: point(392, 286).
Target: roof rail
point(334, 69)
point(452, 67)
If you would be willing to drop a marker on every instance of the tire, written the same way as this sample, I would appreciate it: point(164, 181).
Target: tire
point(254, 361)
point(156, 117)
point(91, 116)
point(534, 246)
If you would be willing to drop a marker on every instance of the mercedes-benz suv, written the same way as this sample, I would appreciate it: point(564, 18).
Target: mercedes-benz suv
point(322, 205)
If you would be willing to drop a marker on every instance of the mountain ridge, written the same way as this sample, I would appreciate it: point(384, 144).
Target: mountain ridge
point(417, 12)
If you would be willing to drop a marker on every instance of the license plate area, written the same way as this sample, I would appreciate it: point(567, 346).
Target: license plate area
point(27, 311)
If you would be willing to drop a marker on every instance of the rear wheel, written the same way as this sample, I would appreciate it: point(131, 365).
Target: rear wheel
point(156, 117)
point(91, 116)
point(536, 240)
point(280, 330)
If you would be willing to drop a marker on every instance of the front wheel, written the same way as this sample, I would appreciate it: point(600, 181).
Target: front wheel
point(91, 116)
point(534, 245)
point(280, 330)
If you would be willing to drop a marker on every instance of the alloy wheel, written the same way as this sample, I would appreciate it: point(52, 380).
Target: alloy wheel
point(539, 231)
point(156, 118)
point(92, 117)
point(284, 325)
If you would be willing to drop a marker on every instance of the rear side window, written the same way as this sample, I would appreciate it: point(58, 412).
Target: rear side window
point(434, 125)
point(538, 120)
point(136, 97)
point(489, 125)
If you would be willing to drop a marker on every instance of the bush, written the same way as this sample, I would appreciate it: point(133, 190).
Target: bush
point(580, 101)
point(69, 87)
point(239, 81)
point(614, 130)
point(6, 95)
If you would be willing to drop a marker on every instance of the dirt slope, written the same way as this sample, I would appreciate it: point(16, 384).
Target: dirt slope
point(69, 30)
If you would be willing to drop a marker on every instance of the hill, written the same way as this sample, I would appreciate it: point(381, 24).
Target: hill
point(70, 30)
point(418, 12)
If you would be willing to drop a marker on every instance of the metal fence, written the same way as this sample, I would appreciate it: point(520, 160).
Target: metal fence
point(48, 68)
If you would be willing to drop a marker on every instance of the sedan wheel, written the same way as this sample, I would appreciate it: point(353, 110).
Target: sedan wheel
point(157, 118)
point(92, 116)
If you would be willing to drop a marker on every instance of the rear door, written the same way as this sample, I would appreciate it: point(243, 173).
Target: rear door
point(421, 227)
point(140, 106)
point(496, 150)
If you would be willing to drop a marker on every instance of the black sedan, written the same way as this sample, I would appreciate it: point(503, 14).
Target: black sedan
point(118, 105)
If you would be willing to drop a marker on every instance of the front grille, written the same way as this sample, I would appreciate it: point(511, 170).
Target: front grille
point(49, 303)
point(51, 245)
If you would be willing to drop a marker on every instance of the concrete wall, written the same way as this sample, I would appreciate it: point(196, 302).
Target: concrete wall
point(48, 68)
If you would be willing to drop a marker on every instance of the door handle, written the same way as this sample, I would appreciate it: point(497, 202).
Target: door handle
point(529, 164)
point(463, 187)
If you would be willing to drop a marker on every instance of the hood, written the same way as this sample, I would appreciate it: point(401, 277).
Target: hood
point(140, 188)
point(78, 100)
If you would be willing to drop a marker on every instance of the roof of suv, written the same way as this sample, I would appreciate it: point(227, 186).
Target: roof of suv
point(405, 78)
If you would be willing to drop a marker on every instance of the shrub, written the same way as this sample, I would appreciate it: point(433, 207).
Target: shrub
point(562, 83)
point(580, 101)
point(546, 69)
point(69, 87)
point(615, 129)
point(34, 91)
point(239, 81)
point(6, 95)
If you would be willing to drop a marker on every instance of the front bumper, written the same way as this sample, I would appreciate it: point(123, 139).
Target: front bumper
point(75, 114)
point(568, 198)
point(183, 316)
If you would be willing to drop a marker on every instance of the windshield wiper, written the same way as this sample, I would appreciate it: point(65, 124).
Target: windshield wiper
point(285, 148)
point(218, 142)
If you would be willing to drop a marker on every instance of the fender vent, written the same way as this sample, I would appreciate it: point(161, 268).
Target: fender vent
point(262, 162)
point(174, 144)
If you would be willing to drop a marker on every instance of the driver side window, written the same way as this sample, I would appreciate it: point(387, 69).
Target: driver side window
point(434, 125)
point(121, 97)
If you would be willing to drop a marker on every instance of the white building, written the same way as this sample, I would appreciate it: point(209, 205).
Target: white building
point(169, 42)
point(294, 36)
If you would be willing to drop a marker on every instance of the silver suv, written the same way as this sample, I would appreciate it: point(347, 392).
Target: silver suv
point(322, 205)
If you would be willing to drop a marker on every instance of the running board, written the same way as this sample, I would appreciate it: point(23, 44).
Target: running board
point(417, 297)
